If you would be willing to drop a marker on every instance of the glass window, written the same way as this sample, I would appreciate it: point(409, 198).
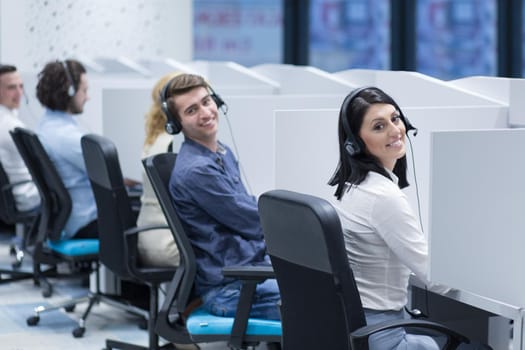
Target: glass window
point(523, 41)
point(456, 38)
point(247, 32)
point(347, 34)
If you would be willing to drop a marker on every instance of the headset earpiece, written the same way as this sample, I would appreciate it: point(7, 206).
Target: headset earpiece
point(217, 99)
point(172, 125)
point(409, 126)
point(71, 88)
point(351, 145)
point(352, 148)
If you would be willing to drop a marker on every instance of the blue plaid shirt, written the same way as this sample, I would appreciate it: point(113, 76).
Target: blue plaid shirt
point(219, 216)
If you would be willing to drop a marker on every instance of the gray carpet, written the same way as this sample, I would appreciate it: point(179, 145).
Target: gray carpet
point(53, 332)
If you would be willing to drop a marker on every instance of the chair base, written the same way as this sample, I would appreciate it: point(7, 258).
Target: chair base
point(14, 275)
point(92, 299)
point(115, 344)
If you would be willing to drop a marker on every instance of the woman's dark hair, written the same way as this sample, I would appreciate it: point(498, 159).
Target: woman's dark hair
point(353, 170)
point(54, 83)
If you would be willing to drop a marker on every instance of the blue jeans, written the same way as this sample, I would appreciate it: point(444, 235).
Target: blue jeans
point(397, 338)
point(222, 301)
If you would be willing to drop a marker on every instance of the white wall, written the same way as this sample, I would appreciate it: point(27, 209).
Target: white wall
point(33, 32)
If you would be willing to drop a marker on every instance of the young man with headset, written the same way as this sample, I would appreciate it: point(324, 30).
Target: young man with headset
point(11, 92)
point(62, 89)
point(220, 217)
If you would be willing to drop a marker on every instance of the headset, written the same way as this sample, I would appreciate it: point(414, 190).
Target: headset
point(352, 145)
point(173, 125)
point(71, 91)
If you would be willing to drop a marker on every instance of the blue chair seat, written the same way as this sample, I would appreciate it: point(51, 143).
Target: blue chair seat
point(75, 247)
point(201, 322)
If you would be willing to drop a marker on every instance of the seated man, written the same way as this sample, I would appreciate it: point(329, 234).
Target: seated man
point(11, 92)
point(219, 216)
point(62, 90)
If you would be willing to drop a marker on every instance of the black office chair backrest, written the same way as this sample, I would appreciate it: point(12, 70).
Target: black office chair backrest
point(159, 168)
point(55, 199)
point(320, 301)
point(114, 207)
point(8, 210)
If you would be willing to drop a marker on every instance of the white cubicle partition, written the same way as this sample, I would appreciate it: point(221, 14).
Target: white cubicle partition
point(306, 146)
point(160, 66)
point(507, 90)
point(123, 103)
point(253, 131)
point(477, 222)
point(230, 78)
point(251, 119)
point(303, 79)
point(416, 89)
point(122, 65)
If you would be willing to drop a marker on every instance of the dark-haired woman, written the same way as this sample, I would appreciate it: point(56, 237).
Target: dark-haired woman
point(383, 240)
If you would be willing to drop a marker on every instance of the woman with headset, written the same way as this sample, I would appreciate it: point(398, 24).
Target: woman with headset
point(384, 242)
point(156, 247)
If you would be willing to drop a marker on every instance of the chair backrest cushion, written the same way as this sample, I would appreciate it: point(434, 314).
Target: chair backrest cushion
point(8, 211)
point(55, 199)
point(320, 300)
point(159, 168)
point(114, 208)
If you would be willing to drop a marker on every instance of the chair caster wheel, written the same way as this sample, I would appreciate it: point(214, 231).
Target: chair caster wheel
point(47, 290)
point(33, 320)
point(79, 332)
point(69, 308)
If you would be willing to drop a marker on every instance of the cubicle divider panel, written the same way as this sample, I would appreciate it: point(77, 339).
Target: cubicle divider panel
point(306, 146)
point(477, 221)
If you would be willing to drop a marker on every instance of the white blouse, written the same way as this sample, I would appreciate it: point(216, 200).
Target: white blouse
point(383, 241)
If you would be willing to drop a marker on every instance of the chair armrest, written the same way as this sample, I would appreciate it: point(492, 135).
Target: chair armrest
point(135, 230)
point(131, 250)
point(359, 338)
point(259, 273)
point(250, 277)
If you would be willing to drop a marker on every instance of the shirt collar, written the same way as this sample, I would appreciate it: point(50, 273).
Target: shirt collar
point(395, 179)
point(13, 112)
point(221, 149)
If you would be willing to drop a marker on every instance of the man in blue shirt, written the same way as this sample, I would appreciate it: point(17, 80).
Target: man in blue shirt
point(219, 216)
point(62, 90)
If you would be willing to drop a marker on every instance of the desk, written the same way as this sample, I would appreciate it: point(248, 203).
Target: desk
point(511, 312)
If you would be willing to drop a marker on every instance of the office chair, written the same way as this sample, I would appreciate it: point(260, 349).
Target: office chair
point(181, 320)
point(321, 307)
point(24, 223)
point(47, 247)
point(118, 231)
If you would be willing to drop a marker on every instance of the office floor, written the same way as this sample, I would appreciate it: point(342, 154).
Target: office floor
point(18, 299)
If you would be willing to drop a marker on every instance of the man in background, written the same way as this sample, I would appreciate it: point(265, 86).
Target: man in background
point(62, 89)
point(11, 92)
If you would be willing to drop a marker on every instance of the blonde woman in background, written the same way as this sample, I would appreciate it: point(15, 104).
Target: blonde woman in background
point(156, 247)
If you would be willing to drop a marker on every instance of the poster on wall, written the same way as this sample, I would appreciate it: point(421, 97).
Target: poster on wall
point(456, 38)
point(349, 34)
point(245, 32)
